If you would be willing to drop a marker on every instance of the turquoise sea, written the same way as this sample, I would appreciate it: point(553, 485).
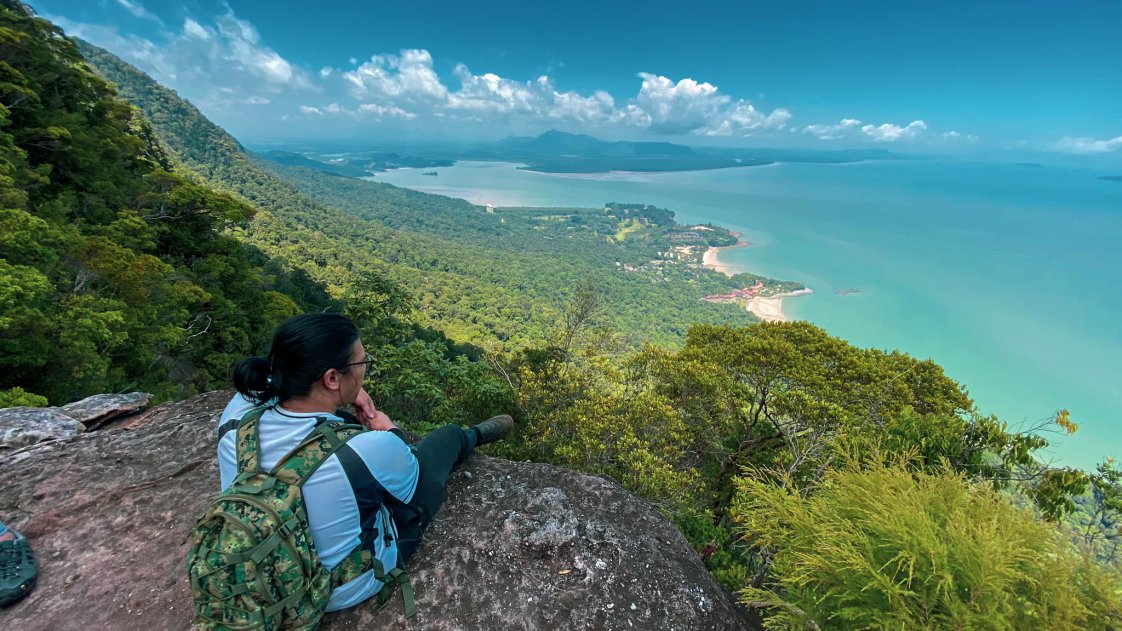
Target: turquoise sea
point(1009, 276)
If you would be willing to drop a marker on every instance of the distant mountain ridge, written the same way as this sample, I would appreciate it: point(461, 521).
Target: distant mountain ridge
point(557, 151)
point(559, 142)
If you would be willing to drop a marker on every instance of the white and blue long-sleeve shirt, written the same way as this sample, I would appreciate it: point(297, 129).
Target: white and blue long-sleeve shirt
point(344, 497)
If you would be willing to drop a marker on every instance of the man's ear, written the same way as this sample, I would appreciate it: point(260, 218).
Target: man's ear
point(331, 379)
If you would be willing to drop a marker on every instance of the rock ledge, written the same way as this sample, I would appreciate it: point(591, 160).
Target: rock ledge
point(517, 545)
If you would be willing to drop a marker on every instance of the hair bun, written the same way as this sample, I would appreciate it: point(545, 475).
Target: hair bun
point(252, 378)
point(273, 382)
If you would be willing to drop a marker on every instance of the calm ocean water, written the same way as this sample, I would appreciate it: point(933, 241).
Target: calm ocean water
point(1010, 277)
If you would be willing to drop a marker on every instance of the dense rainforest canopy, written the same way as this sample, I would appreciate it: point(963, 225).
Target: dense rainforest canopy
point(115, 272)
point(835, 487)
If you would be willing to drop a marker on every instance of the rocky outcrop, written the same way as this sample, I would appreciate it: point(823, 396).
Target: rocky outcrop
point(517, 545)
point(23, 426)
point(100, 409)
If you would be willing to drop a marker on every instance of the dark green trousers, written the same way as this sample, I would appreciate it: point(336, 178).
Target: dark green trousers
point(437, 454)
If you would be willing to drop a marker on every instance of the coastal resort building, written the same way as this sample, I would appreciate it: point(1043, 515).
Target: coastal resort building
point(740, 294)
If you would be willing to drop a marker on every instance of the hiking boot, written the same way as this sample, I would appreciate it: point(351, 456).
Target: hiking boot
point(493, 429)
point(17, 569)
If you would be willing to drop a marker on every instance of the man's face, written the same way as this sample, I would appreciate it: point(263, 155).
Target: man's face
point(352, 380)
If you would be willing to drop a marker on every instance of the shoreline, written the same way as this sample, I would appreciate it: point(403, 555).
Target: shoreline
point(766, 308)
point(770, 308)
point(709, 258)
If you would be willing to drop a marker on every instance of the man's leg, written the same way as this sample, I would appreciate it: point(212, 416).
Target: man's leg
point(437, 454)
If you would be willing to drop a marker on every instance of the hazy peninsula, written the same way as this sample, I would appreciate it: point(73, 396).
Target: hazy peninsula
point(559, 152)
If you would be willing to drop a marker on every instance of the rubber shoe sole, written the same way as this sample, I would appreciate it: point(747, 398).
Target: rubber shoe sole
point(18, 570)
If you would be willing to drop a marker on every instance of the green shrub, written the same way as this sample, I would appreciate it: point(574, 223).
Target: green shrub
point(16, 397)
point(885, 547)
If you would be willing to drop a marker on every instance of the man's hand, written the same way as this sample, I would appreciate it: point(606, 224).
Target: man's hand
point(370, 416)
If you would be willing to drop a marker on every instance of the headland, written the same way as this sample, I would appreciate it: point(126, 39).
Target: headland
point(766, 308)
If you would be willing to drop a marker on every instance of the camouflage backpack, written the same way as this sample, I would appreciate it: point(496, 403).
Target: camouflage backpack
point(252, 562)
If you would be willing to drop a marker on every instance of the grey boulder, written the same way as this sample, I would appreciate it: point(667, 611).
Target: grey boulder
point(23, 426)
point(102, 408)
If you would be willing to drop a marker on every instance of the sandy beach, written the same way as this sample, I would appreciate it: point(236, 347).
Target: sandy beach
point(709, 259)
point(770, 308)
point(766, 308)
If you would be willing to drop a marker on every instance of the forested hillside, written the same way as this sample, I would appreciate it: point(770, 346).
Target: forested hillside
point(833, 487)
point(479, 277)
point(114, 270)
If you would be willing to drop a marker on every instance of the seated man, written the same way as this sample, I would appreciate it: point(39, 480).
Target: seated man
point(373, 491)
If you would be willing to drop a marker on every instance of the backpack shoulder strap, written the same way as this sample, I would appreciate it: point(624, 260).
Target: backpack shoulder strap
point(360, 561)
point(299, 464)
point(248, 445)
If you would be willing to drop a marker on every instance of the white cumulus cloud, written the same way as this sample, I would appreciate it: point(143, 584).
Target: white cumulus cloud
point(887, 132)
point(954, 136)
point(215, 63)
point(688, 106)
point(138, 10)
point(676, 108)
point(381, 111)
point(1088, 145)
point(193, 29)
point(490, 92)
point(408, 80)
point(243, 47)
point(370, 110)
point(834, 132)
point(597, 107)
point(855, 129)
point(743, 118)
point(223, 64)
point(408, 76)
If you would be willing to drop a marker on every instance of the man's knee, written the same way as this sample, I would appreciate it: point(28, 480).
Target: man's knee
point(428, 497)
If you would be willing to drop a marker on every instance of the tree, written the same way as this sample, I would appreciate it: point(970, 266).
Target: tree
point(114, 269)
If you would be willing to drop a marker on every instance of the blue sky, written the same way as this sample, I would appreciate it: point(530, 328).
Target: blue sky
point(918, 76)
